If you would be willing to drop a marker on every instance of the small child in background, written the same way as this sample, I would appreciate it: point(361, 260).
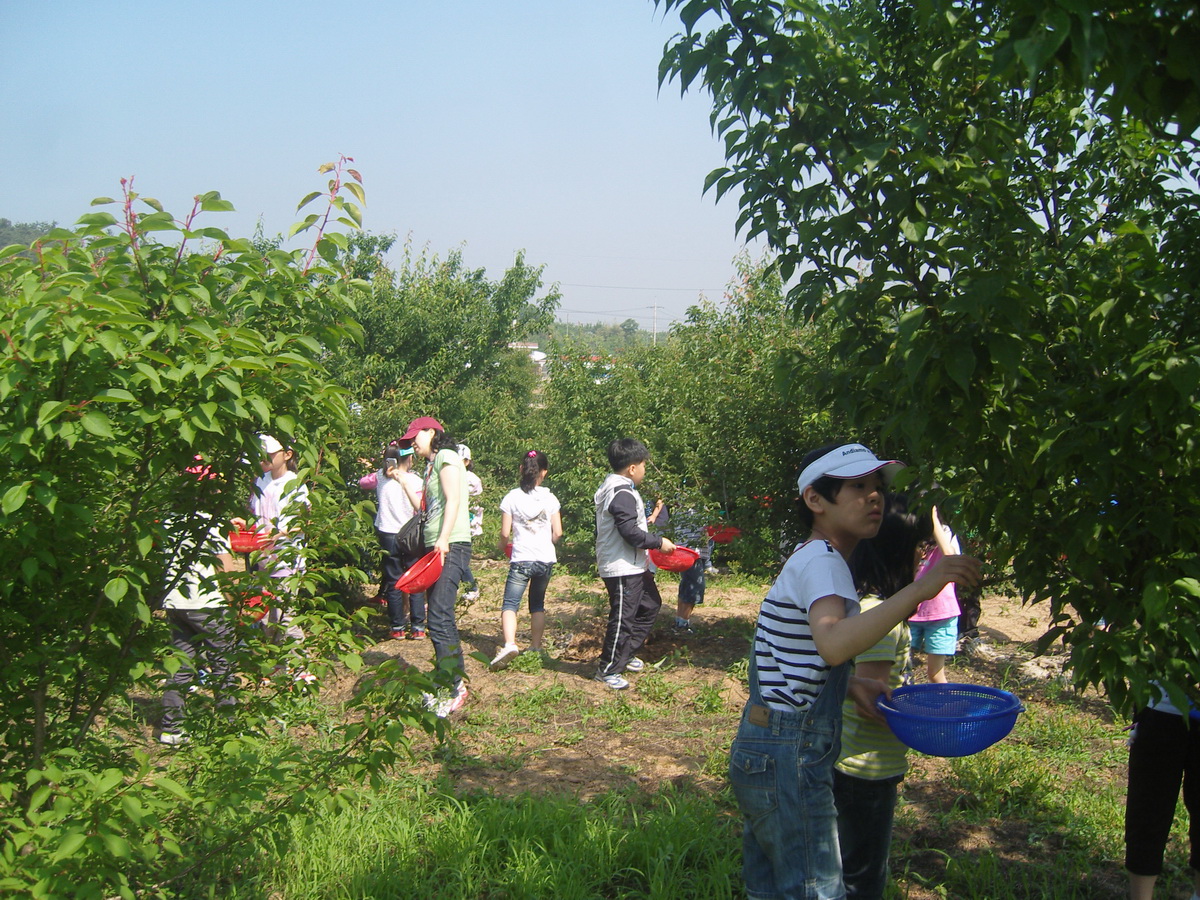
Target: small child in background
point(277, 500)
point(873, 762)
point(474, 518)
point(530, 514)
point(934, 626)
point(622, 539)
point(690, 531)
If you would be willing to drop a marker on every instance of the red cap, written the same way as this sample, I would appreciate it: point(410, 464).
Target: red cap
point(420, 424)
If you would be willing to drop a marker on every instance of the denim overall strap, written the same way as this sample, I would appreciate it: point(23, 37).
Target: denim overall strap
point(829, 701)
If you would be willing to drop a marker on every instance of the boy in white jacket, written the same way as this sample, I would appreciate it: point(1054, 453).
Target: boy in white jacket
point(622, 540)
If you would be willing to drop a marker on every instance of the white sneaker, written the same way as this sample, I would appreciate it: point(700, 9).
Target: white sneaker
point(172, 738)
point(634, 665)
point(451, 704)
point(617, 682)
point(504, 657)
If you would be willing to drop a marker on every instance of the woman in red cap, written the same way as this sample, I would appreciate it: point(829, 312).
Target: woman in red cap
point(448, 531)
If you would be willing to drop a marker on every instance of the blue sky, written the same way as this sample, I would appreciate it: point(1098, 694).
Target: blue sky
point(488, 127)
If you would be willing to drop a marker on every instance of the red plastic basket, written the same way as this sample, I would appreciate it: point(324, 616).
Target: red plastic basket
point(679, 561)
point(723, 534)
point(255, 608)
point(246, 541)
point(421, 575)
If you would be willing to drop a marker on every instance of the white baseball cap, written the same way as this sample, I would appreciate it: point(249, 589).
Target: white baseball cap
point(464, 451)
point(848, 461)
point(269, 444)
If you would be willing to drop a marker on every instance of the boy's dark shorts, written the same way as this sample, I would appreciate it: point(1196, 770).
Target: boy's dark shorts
point(691, 584)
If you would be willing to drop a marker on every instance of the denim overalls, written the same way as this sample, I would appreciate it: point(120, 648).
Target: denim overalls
point(781, 766)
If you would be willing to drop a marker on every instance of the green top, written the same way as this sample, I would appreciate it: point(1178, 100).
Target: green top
point(869, 749)
point(435, 499)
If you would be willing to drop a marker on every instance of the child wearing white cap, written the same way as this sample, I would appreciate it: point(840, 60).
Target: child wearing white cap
point(809, 629)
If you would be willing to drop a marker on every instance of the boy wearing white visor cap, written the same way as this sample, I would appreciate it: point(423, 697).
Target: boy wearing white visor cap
point(808, 631)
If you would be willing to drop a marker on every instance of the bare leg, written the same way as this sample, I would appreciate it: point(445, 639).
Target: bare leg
point(935, 666)
point(537, 627)
point(684, 610)
point(508, 626)
point(1141, 887)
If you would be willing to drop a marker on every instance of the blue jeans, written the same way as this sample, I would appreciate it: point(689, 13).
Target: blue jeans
point(865, 810)
point(443, 627)
point(781, 767)
point(534, 574)
point(691, 583)
point(393, 568)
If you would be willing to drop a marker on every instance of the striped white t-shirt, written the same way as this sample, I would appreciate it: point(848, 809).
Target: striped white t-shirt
point(790, 671)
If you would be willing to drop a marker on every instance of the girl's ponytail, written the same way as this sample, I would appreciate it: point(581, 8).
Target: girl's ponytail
point(533, 464)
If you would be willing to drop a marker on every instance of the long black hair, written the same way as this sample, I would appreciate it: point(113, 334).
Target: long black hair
point(532, 464)
point(884, 564)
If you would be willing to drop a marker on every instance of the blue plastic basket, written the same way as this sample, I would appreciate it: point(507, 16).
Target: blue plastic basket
point(950, 719)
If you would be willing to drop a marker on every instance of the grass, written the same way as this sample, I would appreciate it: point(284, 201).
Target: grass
point(418, 840)
point(550, 786)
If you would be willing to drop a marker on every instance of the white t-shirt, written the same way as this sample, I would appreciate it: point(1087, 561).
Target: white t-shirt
point(531, 529)
point(791, 672)
point(197, 587)
point(392, 509)
point(269, 502)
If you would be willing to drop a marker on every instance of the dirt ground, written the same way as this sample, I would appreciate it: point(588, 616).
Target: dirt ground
point(582, 751)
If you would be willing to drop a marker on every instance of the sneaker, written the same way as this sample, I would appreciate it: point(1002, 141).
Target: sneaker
point(417, 633)
point(711, 570)
point(684, 628)
point(471, 596)
point(617, 682)
point(303, 676)
point(443, 708)
point(173, 738)
point(399, 634)
point(634, 665)
point(506, 655)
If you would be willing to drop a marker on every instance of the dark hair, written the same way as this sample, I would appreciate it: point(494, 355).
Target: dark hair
point(827, 486)
point(625, 452)
point(532, 464)
point(442, 441)
point(884, 564)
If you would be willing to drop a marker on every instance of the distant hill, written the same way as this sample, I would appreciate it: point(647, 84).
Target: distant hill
point(22, 232)
point(597, 337)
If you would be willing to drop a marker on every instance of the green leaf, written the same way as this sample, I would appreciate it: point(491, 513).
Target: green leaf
point(96, 422)
point(14, 498)
point(171, 786)
point(116, 589)
point(914, 232)
point(101, 219)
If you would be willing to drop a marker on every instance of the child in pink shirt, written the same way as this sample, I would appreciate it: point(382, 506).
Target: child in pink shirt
point(934, 626)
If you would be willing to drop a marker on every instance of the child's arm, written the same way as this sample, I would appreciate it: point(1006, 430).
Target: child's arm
point(505, 530)
point(869, 681)
point(625, 517)
point(944, 537)
point(555, 527)
point(840, 638)
point(414, 497)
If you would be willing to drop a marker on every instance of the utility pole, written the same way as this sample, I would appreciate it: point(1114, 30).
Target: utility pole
point(654, 332)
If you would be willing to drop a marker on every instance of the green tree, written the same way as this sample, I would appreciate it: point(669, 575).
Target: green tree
point(125, 357)
point(435, 320)
point(1012, 275)
point(723, 439)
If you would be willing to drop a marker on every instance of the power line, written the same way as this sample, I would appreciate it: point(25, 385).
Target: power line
point(621, 287)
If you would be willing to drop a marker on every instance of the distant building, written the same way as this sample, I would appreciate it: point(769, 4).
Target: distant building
point(538, 357)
